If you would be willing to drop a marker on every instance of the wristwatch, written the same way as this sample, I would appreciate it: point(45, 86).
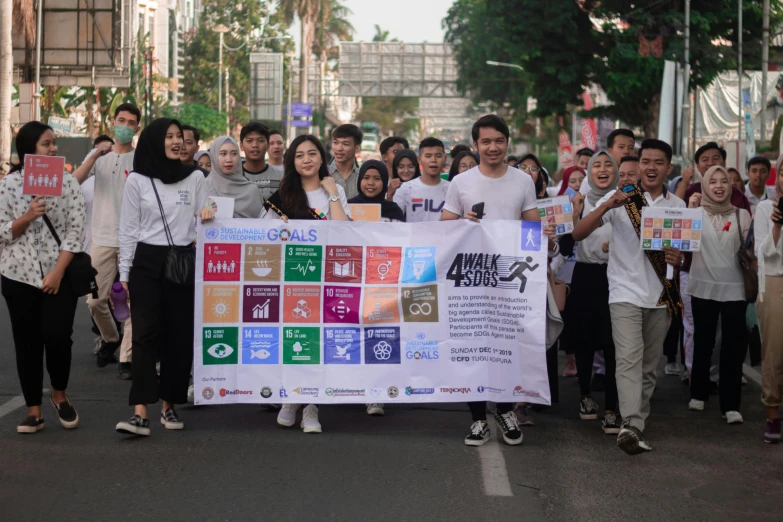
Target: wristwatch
point(334, 197)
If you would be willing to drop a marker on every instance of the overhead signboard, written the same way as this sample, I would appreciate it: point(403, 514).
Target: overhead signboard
point(85, 42)
point(266, 86)
point(397, 69)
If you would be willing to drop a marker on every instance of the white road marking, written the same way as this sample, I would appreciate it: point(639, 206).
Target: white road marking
point(8, 407)
point(493, 470)
point(751, 373)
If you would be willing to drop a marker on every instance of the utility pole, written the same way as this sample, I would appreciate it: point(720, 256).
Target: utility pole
point(227, 104)
point(764, 67)
point(289, 128)
point(221, 29)
point(37, 85)
point(687, 142)
point(739, 88)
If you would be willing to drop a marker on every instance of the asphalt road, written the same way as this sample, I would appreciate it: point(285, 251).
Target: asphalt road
point(233, 463)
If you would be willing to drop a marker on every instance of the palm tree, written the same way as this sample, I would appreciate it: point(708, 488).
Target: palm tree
point(308, 12)
point(331, 30)
point(6, 80)
point(380, 34)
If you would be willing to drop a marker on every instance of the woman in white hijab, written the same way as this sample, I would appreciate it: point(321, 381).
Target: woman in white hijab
point(227, 180)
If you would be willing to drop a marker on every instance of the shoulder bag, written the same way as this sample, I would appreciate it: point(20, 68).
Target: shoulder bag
point(181, 260)
point(748, 262)
point(79, 274)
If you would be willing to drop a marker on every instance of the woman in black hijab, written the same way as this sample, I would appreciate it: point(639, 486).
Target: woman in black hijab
point(372, 184)
point(161, 199)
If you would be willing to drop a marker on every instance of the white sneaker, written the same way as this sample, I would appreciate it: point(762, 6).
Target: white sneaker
point(375, 409)
point(191, 394)
point(287, 415)
point(733, 417)
point(695, 405)
point(672, 369)
point(310, 422)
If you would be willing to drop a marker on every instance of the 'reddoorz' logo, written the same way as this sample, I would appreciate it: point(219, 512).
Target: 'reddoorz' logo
point(490, 270)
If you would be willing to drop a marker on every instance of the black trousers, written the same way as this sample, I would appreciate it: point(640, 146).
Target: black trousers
point(673, 340)
point(589, 328)
point(162, 325)
point(478, 409)
point(41, 324)
point(732, 350)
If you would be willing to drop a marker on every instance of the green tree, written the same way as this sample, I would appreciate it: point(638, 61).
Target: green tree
point(394, 115)
point(564, 50)
point(333, 27)
point(211, 123)
point(382, 36)
point(244, 20)
point(309, 13)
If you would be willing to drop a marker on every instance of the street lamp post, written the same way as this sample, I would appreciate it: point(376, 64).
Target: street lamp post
point(222, 29)
point(518, 67)
point(37, 87)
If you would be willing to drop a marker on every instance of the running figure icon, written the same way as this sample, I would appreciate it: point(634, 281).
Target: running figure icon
point(517, 270)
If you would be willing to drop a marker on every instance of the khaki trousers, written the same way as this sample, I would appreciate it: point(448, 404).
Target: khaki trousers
point(638, 335)
point(106, 261)
point(770, 313)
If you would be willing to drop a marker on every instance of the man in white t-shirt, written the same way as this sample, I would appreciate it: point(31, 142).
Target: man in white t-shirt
point(422, 198)
point(506, 193)
point(757, 189)
point(640, 303)
point(110, 165)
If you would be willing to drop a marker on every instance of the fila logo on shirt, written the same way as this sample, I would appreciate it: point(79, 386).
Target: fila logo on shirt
point(428, 204)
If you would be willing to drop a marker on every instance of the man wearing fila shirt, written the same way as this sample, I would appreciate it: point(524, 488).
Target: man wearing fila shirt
point(422, 198)
point(111, 165)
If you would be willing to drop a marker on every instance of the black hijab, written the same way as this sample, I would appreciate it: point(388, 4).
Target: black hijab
point(406, 153)
point(150, 159)
point(389, 209)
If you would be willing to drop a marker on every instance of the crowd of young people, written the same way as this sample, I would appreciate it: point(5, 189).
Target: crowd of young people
point(622, 312)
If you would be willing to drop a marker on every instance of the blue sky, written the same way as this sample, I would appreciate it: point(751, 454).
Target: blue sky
point(408, 20)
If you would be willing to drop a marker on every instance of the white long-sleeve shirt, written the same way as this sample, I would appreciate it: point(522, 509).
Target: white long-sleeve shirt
point(771, 253)
point(140, 219)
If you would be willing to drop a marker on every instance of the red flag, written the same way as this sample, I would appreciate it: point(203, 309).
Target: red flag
point(589, 127)
point(564, 151)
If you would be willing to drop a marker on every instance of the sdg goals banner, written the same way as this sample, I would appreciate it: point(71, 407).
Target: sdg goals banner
point(347, 312)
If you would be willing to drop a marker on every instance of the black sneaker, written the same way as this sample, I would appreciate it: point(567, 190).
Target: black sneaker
point(610, 424)
point(170, 420)
point(631, 441)
point(66, 413)
point(135, 426)
point(479, 434)
point(124, 370)
point(588, 409)
point(509, 427)
point(30, 424)
point(598, 385)
point(105, 355)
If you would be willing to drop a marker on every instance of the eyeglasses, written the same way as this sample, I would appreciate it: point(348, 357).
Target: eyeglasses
point(529, 169)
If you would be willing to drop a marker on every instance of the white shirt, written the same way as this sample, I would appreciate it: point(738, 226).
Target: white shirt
point(141, 222)
point(584, 188)
point(506, 197)
point(320, 201)
point(631, 276)
point(590, 250)
point(32, 255)
point(715, 273)
point(88, 191)
point(110, 173)
point(769, 192)
point(421, 202)
point(769, 254)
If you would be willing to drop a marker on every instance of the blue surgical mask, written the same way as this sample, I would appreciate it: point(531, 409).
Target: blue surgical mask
point(124, 134)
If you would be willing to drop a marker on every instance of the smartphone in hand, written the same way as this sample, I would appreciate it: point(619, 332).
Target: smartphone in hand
point(478, 208)
point(780, 207)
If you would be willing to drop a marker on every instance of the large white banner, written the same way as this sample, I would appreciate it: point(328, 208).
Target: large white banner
point(347, 312)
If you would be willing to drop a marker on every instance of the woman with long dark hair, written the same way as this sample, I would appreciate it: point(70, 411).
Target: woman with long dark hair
point(162, 198)
point(36, 289)
point(464, 161)
point(307, 191)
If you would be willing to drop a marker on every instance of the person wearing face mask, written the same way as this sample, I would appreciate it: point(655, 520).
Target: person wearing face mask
point(226, 179)
point(40, 299)
point(373, 183)
point(717, 291)
point(588, 322)
point(769, 251)
point(161, 201)
point(110, 165)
